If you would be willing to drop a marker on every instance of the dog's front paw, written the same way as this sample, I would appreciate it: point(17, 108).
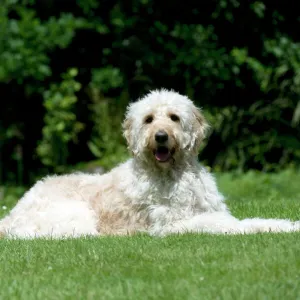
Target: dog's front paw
point(296, 226)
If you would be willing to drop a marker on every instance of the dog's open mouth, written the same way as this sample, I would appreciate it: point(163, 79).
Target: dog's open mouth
point(163, 154)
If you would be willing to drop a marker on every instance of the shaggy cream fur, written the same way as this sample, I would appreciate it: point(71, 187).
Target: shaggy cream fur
point(161, 190)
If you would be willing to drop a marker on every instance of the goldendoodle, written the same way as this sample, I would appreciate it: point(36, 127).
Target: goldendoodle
point(161, 190)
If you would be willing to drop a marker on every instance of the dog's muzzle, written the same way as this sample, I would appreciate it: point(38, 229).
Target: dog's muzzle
point(162, 152)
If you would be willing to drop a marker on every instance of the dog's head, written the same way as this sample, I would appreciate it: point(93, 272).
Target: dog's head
point(163, 128)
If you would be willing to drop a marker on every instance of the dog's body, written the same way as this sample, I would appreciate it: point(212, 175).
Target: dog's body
point(161, 190)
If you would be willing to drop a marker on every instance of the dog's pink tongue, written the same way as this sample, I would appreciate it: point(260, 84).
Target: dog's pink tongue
point(162, 154)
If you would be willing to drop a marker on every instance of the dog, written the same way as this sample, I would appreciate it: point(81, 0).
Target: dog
point(161, 190)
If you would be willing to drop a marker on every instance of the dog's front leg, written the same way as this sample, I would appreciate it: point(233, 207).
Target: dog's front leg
point(163, 220)
point(218, 222)
point(224, 223)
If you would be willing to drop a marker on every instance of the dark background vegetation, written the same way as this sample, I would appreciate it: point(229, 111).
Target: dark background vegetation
point(69, 68)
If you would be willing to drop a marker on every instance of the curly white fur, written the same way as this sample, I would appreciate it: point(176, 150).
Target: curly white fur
point(161, 190)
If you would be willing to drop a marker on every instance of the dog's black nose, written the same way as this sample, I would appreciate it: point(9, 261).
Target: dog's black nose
point(161, 136)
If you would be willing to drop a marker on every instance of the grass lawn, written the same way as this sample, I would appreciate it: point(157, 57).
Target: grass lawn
point(262, 266)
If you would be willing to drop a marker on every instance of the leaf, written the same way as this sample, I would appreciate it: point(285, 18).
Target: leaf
point(95, 150)
point(289, 141)
point(296, 115)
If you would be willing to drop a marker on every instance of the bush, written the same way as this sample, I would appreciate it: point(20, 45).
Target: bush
point(238, 60)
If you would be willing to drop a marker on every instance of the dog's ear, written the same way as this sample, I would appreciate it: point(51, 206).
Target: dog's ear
point(127, 128)
point(200, 128)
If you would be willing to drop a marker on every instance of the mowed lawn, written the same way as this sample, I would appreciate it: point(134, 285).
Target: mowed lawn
point(191, 266)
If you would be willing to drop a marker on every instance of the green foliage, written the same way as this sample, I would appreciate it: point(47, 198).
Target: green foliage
point(105, 79)
point(238, 60)
point(26, 41)
point(61, 126)
point(281, 79)
point(26, 44)
point(200, 43)
point(88, 5)
point(106, 141)
point(9, 195)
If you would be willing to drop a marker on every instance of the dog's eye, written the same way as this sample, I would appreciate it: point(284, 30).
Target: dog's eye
point(174, 118)
point(149, 119)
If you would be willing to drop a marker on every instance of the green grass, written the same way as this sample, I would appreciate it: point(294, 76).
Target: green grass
point(262, 266)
